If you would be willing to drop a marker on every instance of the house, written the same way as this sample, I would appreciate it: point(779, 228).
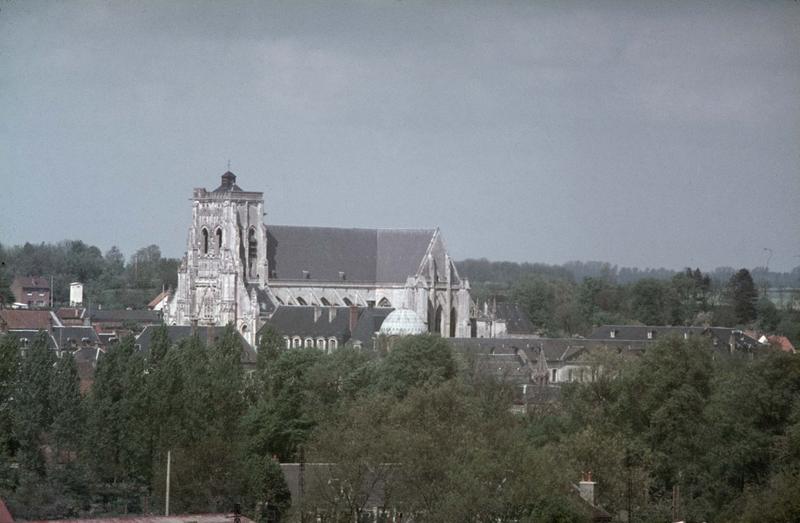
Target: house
point(31, 291)
point(19, 319)
point(158, 303)
point(119, 322)
point(502, 319)
point(721, 337)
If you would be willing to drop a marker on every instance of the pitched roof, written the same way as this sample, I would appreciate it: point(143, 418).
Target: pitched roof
point(720, 335)
point(30, 335)
point(112, 315)
point(369, 323)
point(356, 255)
point(155, 301)
point(517, 322)
point(75, 334)
point(782, 342)
point(38, 282)
point(290, 320)
point(29, 319)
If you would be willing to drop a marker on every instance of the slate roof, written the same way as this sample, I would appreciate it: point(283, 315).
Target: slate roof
point(31, 334)
point(63, 336)
point(207, 335)
point(265, 303)
point(228, 183)
point(517, 322)
point(369, 323)
point(362, 255)
point(556, 350)
point(299, 321)
point(29, 319)
point(120, 315)
point(719, 335)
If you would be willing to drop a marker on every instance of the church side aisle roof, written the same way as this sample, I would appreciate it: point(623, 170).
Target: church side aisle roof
point(362, 255)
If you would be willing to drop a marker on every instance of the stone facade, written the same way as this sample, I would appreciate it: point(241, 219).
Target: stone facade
point(239, 270)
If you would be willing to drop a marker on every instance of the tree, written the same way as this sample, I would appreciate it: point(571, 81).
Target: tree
point(65, 401)
point(648, 301)
point(416, 361)
point(743, 295)
point(32, 408)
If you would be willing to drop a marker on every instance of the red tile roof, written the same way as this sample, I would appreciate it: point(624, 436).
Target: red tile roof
point(26, 319)
point(782, 342)
point(5, 515)
point(38, 282)
point(157, 299)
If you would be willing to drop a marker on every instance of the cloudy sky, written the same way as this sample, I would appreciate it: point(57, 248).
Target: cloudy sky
point(639, 133)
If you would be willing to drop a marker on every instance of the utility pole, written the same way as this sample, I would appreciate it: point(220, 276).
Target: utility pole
point(166, 505)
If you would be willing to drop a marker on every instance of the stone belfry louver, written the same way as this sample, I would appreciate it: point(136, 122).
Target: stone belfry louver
point(226, 260)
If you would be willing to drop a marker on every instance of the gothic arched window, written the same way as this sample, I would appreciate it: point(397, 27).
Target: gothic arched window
point(384, 303)
point(219, 238)
point(205, 240)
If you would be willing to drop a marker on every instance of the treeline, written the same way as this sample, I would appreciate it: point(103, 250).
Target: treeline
point(109, 280)
point(501, 275)
point(419, 425)
point(559, 306)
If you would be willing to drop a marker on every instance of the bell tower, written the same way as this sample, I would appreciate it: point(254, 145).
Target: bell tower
point(226, 259)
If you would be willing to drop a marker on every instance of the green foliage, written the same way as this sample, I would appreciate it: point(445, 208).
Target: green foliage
point(416, 361)
point(107, 279)
point(743, 295)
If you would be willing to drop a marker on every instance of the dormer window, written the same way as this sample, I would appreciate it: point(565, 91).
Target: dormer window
point(651, 334)
point(613, 333)
point(342, 276)
point(306, 275)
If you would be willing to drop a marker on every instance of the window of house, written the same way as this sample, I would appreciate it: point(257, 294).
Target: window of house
point(348, 302)
point(384, 303)
point(297, 342)
point(651, 334)
point(309, 343)
point(325, 302)
point(613, 333)
point(219, 238)
point(555, 375)
point(321, 343)
point(288, 342)
point(331, 343)
point(301, 301)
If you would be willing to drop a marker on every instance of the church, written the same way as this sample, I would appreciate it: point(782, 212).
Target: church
point(239, 270)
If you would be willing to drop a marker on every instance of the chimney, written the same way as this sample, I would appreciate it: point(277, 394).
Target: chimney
point(586, 487)
point(317, 312)
point(353, 318)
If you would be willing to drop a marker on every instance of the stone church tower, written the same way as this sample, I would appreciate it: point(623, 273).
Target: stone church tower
point(225, 265)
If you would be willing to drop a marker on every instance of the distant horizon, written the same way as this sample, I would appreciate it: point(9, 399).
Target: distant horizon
point(772, 270)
